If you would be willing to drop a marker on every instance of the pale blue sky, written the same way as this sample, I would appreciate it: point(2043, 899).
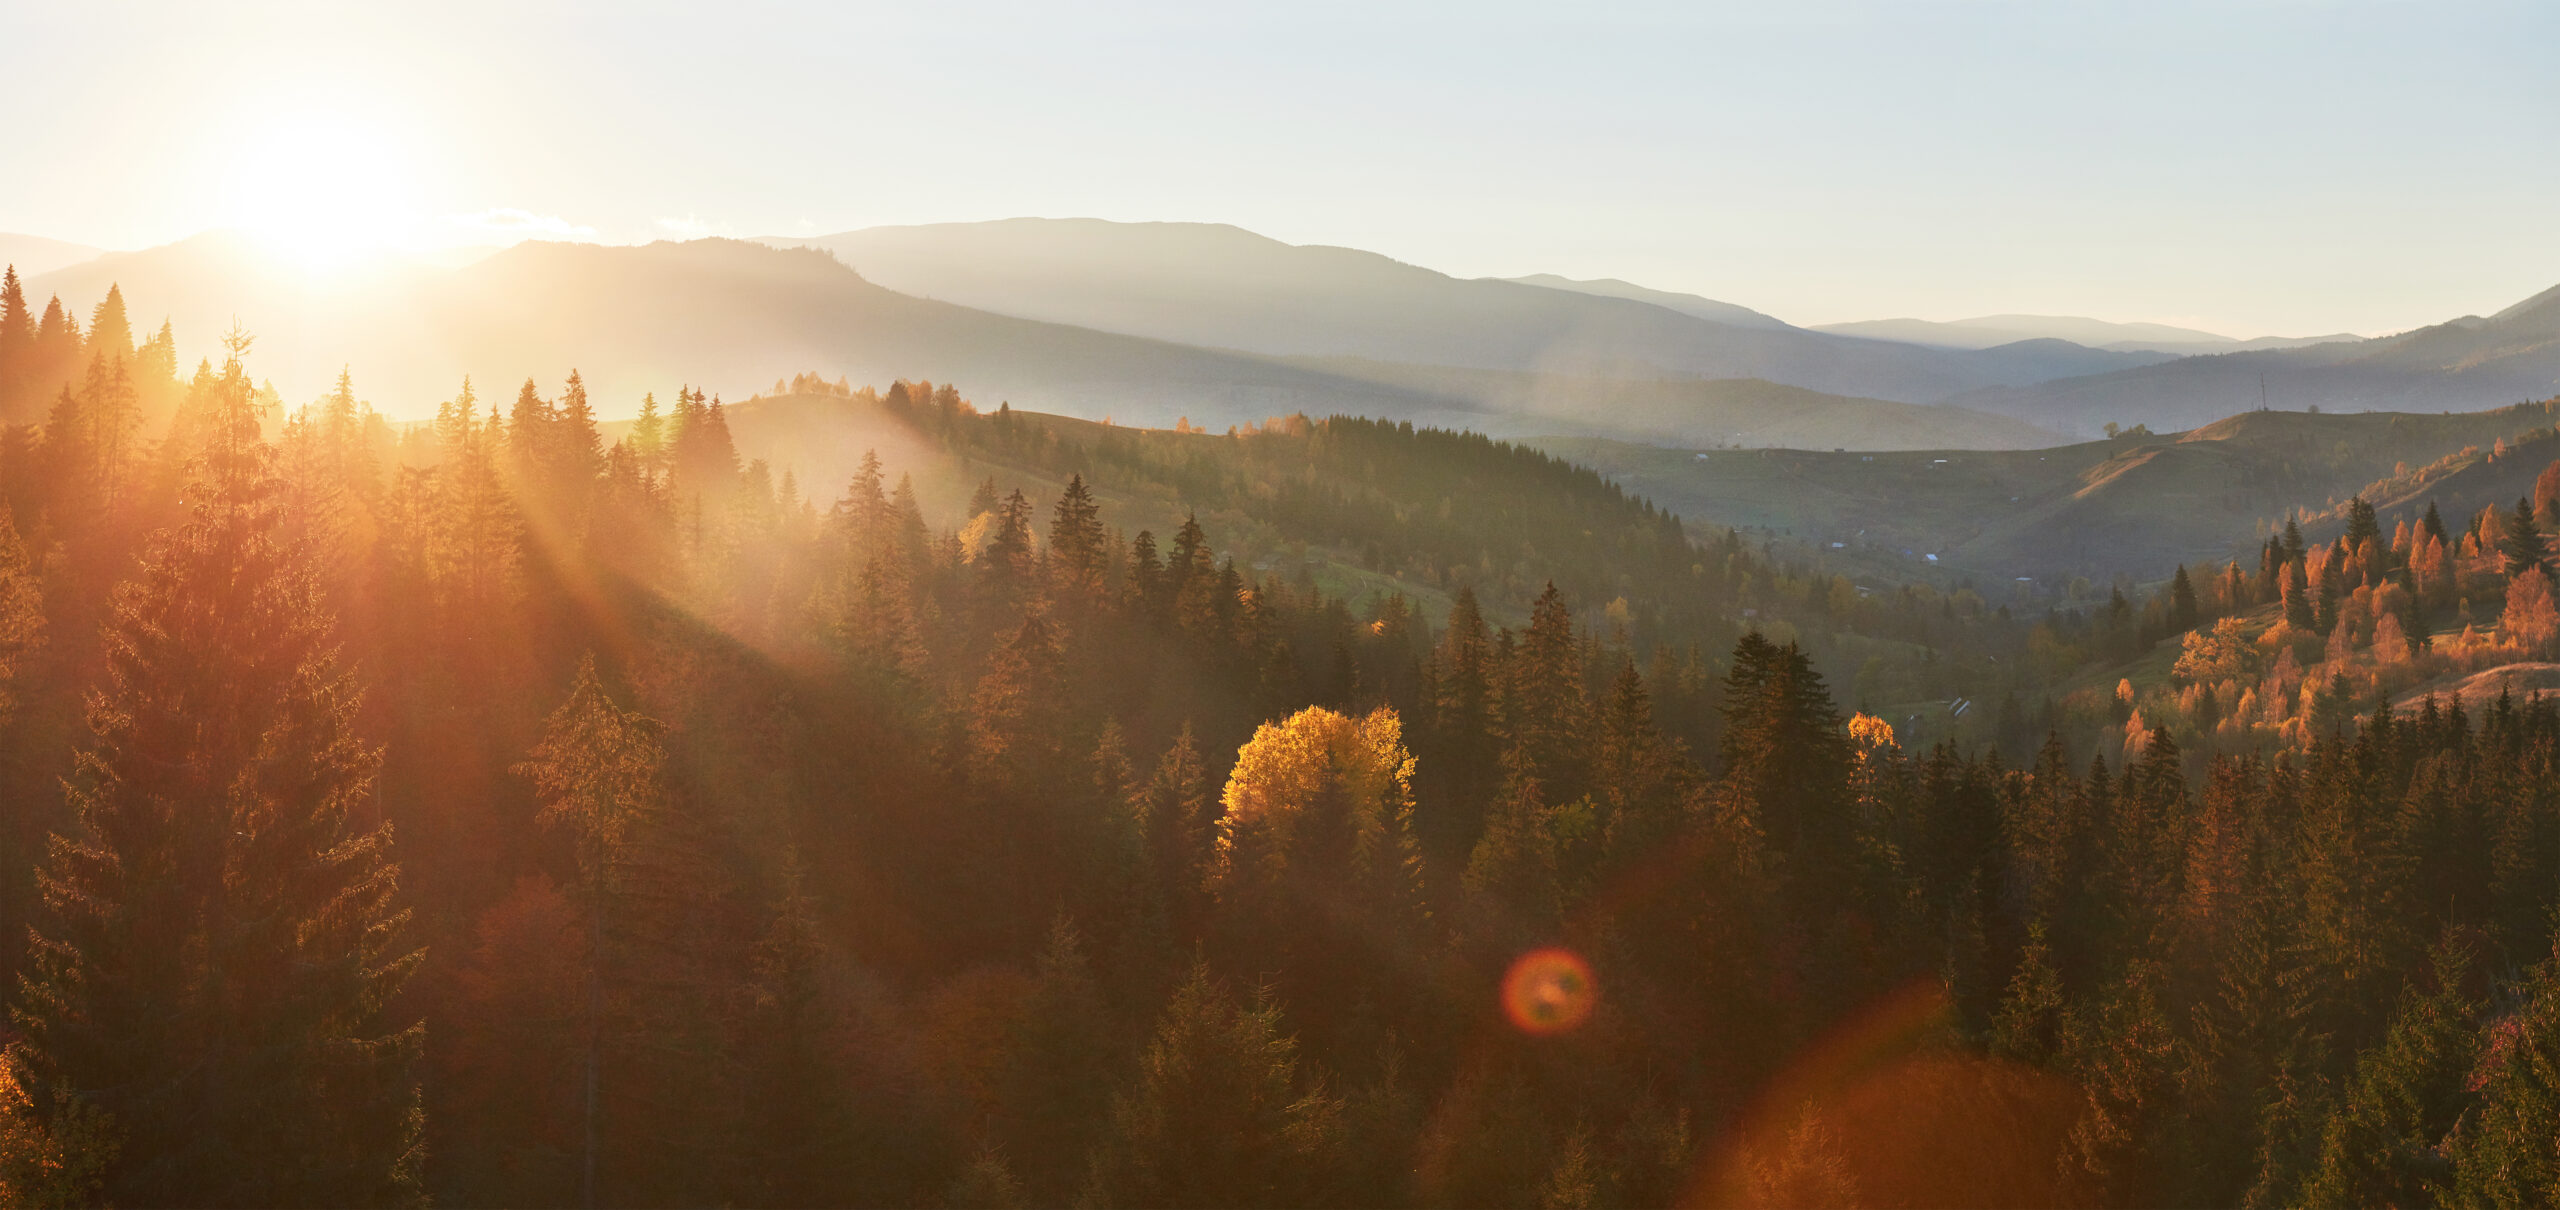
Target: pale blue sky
point(2252, 167)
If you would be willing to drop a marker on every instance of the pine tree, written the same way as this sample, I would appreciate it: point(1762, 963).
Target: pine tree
point(1463, 752)
point(799, 1127)
point(597, 773)
point(2523, 545)
point(1218, 1115)
point(1180, 824)
point(2362, 525)
point(17, 340)
point(1514, 864)
point(110, 330)
point(2030, 1022)
point(220, 946)
point(2503, 1156)
point(21, 612)
point(1786, 760)
point(2182, 602)
point(1542, 710)
point(1636, 775)
point(2383, 1146)
point(1075, 537)
point(577, 448)
point(648, 437)
point(57, 350)
point(1058, 1075)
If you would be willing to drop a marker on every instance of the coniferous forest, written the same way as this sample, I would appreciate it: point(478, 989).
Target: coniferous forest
point(524, 809)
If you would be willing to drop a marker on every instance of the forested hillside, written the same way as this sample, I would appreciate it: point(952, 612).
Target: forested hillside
point(518, 809)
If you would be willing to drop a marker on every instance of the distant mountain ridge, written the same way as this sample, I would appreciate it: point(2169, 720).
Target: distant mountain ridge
point(730, 315)
point(2462, 364)
point(1243, 328)
point(1220, 286)
point(1687, 304)
point(32, 255)
point(1992, 331)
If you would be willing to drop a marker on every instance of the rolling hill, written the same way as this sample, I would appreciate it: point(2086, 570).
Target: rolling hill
point(1224, 287)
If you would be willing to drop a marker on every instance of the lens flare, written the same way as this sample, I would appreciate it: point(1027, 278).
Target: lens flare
point(1549, 991)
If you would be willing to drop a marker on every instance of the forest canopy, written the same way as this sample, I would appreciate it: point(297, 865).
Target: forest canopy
point(495, 811)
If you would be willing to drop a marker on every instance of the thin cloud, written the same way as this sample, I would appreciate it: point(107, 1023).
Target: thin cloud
point(691, 227)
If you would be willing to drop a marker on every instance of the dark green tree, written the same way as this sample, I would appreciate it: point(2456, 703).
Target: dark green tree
point(2523, 544)
point(2384, 1146)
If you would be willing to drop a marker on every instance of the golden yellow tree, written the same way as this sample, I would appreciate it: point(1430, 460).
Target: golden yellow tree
point(1320, 785)
point(1318, 872)
point(2529, 621)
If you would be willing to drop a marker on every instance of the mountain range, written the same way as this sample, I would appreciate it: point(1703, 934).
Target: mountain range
point(34, 254)
point(1224, 287)
point(1149, 322)
point(2460, 365)
point(731, 315)
point(1990, 331)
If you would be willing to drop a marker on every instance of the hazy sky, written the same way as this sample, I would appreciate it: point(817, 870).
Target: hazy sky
point(2250, 166)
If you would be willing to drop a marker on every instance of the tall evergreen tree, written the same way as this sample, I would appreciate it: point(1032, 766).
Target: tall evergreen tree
point(17, 338)
point(2523, 544)
point(598, 774)
point(220, 946)
point(21, 612)
point(110, 329)
point(1075, 537)
point(2384, 1146)
point(2182, 602)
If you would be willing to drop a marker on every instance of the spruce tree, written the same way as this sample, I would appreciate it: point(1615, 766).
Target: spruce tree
point(2182, 602)
point(598, 773)
point(2523, 544)
point(2504, 1155)
point(1542, 711)
point(21, 612)
point(1075, 537)
point(219, 945)
point(1218, 1115)
point(2384, 1145)
point(1463, 759)
point(17, 338)
point(1180, 810)
point(799, 1136)
point(2362, 525)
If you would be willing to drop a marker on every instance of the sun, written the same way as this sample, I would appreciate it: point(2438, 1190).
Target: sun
point(322, 190)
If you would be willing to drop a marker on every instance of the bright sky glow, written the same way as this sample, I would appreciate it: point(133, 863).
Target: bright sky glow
point(2248, 166)
point(323, 187)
